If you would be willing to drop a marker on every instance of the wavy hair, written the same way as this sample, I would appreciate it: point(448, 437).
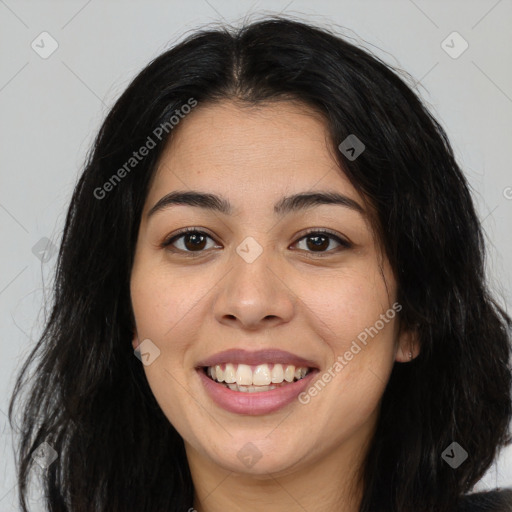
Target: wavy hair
point(89, 398)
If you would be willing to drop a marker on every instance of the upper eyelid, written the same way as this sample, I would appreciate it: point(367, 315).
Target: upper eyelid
point(186, 231)
point(311, 231)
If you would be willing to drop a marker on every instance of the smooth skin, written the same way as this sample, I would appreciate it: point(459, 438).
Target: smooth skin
point(311, 300)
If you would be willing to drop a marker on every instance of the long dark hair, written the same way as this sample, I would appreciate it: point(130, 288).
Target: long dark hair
point(89, 398)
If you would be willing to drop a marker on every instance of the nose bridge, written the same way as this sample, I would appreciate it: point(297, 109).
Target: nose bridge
point(254, 291)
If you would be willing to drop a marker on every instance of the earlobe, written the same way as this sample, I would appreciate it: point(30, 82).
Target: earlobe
point(135, 341)
point(404, 356)
point(408, 347)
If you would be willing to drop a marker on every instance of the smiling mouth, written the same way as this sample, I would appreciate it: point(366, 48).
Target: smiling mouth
point(255, 378)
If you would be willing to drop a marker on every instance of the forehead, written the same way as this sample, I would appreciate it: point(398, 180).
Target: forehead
point(253, 152)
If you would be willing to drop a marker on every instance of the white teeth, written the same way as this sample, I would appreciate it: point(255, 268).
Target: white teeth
point(261, 375)
point(250, 389)
point(278, 373)
point(289, 373)
point(264, 388)
point(229, 374)
point(219, 373)
point(242, 377)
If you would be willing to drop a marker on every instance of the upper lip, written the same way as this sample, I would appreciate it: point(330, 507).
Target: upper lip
point(241, 356)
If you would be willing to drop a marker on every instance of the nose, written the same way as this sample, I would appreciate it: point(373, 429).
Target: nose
point(254, 295)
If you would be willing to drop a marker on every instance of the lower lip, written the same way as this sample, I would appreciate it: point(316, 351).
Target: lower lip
point(258, 402)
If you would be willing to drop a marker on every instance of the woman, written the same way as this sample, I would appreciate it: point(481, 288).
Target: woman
point(274, 224)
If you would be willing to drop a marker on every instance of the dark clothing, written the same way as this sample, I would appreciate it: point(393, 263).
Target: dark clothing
point(498, 500)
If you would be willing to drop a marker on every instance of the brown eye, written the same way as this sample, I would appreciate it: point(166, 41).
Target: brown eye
point(315, 242)
point(194, 241)
point(319, 242)
point(189, 241)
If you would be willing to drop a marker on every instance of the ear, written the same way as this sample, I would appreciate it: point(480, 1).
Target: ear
point(408, 346)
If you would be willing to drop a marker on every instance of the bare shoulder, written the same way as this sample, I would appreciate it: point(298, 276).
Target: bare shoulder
point(497, 500)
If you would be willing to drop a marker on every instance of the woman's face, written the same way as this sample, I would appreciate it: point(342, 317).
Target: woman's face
point(250, 280)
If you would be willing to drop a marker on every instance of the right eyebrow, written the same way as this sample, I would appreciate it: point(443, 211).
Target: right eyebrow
point(198, 199)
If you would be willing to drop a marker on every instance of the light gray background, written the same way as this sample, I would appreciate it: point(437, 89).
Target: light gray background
point(51, 109)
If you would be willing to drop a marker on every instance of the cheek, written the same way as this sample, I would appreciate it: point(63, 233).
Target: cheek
point(163, 306)
point(345, 304)
point(356, 321)
point(162, 302)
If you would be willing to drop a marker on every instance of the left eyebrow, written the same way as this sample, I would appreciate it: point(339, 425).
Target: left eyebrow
point(284, 206)
point(306, 200)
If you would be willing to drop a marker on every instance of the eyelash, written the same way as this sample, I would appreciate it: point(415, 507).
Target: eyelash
point(344, 244)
